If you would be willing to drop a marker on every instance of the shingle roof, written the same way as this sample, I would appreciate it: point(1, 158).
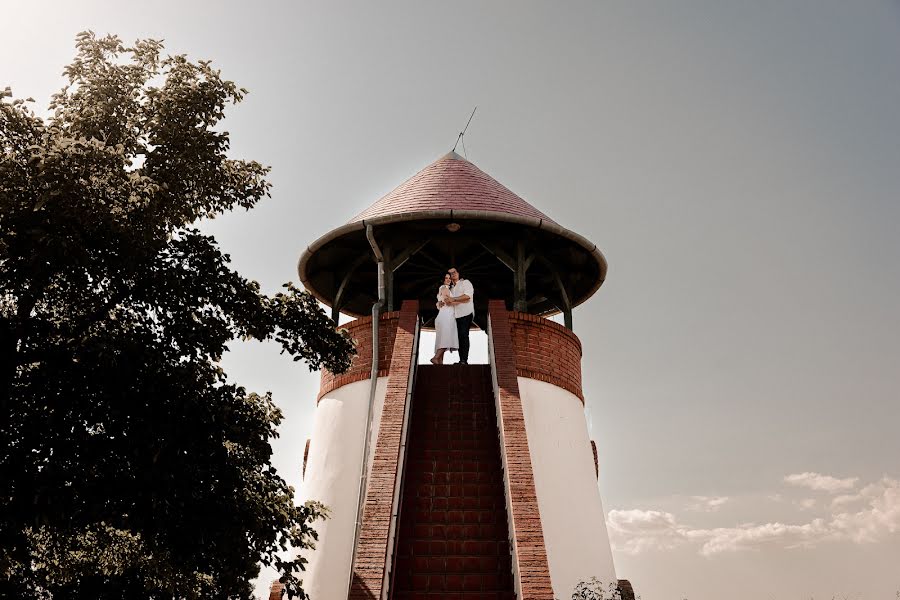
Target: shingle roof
point(450, 183)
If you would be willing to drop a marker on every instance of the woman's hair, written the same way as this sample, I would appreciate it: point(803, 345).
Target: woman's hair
point(444, 278)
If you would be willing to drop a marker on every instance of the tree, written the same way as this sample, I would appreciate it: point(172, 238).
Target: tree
point(130, 466)
point(594, 589)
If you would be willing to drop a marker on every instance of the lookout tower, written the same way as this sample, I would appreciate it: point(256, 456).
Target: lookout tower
point(455, 481)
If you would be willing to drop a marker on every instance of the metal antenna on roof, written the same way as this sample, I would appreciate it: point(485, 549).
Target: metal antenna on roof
point(461, 137)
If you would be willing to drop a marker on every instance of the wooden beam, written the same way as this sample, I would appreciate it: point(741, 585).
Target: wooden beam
point(388, 279)
point(502, 256)
point(336, 307)
point(530, 260)
point(431, 259)
point(404, 256)
point(520, 302)
point(464, 268)
point(563, 294)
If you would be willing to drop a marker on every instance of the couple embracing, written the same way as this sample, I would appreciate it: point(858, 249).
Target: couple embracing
point(456, 308)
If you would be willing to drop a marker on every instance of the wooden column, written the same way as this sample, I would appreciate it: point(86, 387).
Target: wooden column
point(520, 302)
point(388, 279)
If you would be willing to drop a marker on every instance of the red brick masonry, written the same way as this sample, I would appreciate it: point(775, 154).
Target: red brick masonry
point(546, 351)
point(527, 532)
point(371, 553)
point(361, 368)
point(276, 591)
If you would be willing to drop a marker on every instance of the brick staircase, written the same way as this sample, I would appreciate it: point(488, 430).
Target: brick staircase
point(453, 537)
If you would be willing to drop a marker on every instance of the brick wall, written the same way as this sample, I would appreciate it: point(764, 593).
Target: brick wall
point(625, 589)
point(371, 553)
point(527, 533)
point(361, 367)
point(276, 591)
point(546, 351)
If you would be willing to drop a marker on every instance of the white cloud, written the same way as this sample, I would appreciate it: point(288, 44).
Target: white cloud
point(707, 503)
point(845, 499)
point(752, 537)
point(636, 531)
point(822, 483)
point(880, 518)
point(807, 503)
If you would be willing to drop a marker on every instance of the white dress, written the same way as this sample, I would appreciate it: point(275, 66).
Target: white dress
point(445, 324)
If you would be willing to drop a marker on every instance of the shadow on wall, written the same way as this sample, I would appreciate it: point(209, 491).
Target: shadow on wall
point(359, 590)
point(478, 354)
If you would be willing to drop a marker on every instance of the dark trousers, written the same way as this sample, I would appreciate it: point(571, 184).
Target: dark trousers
point(462, 329)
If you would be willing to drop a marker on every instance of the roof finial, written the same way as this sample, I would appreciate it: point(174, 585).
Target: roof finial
point(462, 133)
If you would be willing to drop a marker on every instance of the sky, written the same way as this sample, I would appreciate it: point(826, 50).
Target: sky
point(738, 163)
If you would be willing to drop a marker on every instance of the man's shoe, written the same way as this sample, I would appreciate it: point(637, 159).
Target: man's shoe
point(463, 362)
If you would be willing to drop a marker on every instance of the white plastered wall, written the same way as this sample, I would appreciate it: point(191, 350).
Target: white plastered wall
point(332, 478)
point(572, 514)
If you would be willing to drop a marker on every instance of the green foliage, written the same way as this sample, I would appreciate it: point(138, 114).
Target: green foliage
point(130, 467)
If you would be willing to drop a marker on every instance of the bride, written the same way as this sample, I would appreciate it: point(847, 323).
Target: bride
point(446, 337)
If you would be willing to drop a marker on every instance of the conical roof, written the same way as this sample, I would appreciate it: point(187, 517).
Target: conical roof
point(451, 183)
point(451, 213)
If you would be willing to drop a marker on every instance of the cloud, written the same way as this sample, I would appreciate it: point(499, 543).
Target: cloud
point(753, 537)
point(635, 531)
point(807, 503)
point(707, 503)
point(845, 499)
point(867, 493)
point(880, 518)
point(822, 483)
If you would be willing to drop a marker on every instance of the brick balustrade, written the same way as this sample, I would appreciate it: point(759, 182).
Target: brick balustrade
point(530, 552)
point(546, 351)
point(361, 367)
point(371, 552)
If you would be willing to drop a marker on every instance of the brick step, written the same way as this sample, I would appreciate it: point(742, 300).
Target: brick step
point(458, 430)
point(438, 531)
point(457, 449)
point(453, 536)
point(455, 478)
point(436, 440)
point(455, 503)
point(459, 516)
point(454, 582)
point(455, 596)
point(463, 449)
point(455, 464)
point(435, 490)
point(473, 423)
point(454, 450)
point(454, 563)
point(429, 547)
point(455, 439)
point(432, 410)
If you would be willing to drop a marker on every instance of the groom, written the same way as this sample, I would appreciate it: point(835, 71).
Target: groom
point(462, 300)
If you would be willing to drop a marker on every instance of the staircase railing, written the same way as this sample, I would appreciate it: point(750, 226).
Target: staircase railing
point(400, 481)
